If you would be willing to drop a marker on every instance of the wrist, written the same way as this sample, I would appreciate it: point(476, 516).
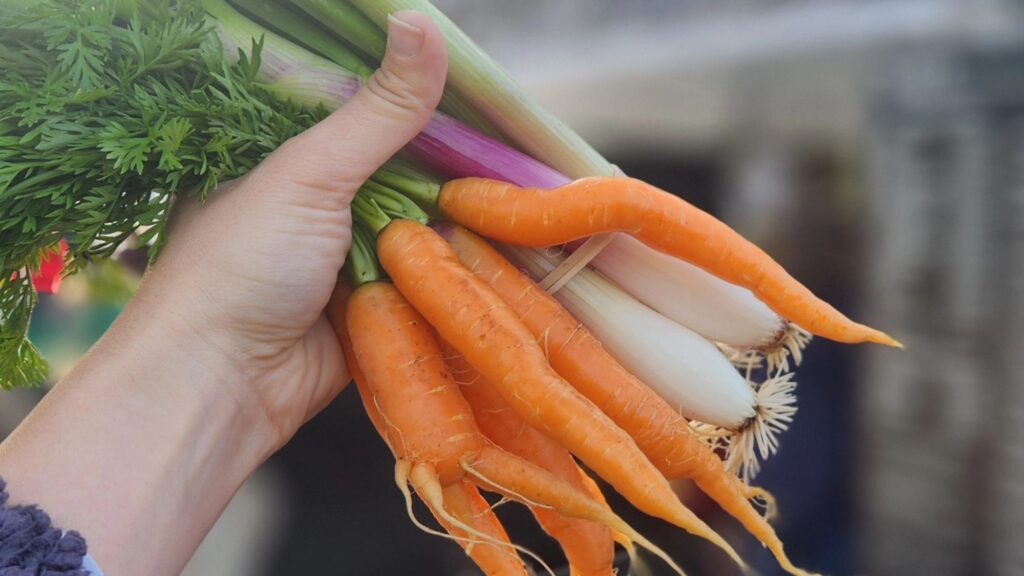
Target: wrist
point(196, 357)
point(149, 434)
point(196, 372)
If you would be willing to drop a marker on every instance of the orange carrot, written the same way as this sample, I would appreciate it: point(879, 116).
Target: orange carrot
point(336, 315)
point(427, 419)
point(588, 546)
point(463, 501)
point(595, 492)
point(539, 217)
point(429, 425)
point(476, 322)
point(663, 435)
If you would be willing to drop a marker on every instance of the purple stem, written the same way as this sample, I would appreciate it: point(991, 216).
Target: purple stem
point(458, 151)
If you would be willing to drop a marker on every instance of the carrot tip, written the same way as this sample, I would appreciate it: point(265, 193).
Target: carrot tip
point(885, 340)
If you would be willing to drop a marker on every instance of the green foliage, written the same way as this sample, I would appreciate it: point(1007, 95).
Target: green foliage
point(108, 109)
point(20, 362)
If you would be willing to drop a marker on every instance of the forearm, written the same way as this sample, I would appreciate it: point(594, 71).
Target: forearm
point(142, 475)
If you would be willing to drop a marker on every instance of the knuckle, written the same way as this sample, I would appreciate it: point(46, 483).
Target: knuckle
point(395, 92)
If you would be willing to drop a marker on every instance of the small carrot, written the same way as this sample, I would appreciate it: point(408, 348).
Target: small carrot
point(430, 427)
point(475, 321)
point(336, 315)
point(462, 499)
point(588, 546)
point(595, 492)
point(589, 206)
point(663, 435)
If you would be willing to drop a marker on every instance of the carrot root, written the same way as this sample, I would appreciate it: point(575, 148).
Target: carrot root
point(423, 478)
point(588, 546)
point(403, 468)
point(489, 465)
point(494, 340)
point(771, 507)
point(734, 496)
point(463, 500)
point(596, 494)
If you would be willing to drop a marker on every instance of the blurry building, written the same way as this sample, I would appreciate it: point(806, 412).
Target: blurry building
point(943, 451)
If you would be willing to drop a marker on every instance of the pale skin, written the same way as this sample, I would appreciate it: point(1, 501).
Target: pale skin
point(225, 351)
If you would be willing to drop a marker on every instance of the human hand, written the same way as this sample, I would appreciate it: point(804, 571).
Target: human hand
point(247, 275)
point(224, 351)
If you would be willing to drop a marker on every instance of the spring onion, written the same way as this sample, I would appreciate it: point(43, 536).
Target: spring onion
point(494, 92)
point(685, 369)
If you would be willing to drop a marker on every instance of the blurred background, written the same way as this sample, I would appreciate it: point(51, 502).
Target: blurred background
point(876, 149)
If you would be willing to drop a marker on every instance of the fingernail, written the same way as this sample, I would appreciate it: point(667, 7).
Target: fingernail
point(404, 39)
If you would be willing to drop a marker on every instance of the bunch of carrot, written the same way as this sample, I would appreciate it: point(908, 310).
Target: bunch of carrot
point(655, 307)
point(477, 378)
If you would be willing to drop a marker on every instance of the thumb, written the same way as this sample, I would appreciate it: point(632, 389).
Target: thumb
point(396, 103)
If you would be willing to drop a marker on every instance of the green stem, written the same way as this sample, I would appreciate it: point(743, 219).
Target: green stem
point(492, 91)
point(303, 30)
point(387, 205)
point(394, 203)
point(421, 188)
point(368, 213)
point(349, 23)
point(361, 265)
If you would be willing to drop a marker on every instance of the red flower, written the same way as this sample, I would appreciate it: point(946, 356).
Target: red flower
point(47, 279)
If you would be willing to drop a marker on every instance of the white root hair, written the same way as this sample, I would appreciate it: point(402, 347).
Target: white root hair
point(745, 448)
point(790, 344)
point(758, 439)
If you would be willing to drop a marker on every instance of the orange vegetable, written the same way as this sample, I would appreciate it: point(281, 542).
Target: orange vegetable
point(588, 546)
point(336, 315)
point(476, 322)
point(589, 206)
point(430, 427)
point(663, 435)
point(463, 501)
point(595, 492)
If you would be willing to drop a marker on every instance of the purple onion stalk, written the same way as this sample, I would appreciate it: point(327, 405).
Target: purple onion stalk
point(445, 145)
point(455, 150)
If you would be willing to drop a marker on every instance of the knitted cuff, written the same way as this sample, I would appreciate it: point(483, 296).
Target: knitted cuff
point(31, 546)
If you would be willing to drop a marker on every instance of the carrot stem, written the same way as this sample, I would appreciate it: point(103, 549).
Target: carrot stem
point(393, 202)
point(348, 23)
point(367, 212)
point(302, 29)
point(361, 265)
point(420, 187)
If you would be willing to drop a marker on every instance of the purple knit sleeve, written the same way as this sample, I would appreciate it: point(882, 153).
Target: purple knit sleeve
point(31, 546)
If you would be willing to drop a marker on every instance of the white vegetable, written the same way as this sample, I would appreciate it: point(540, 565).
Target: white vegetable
point(685, 369)
point(709, 306)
